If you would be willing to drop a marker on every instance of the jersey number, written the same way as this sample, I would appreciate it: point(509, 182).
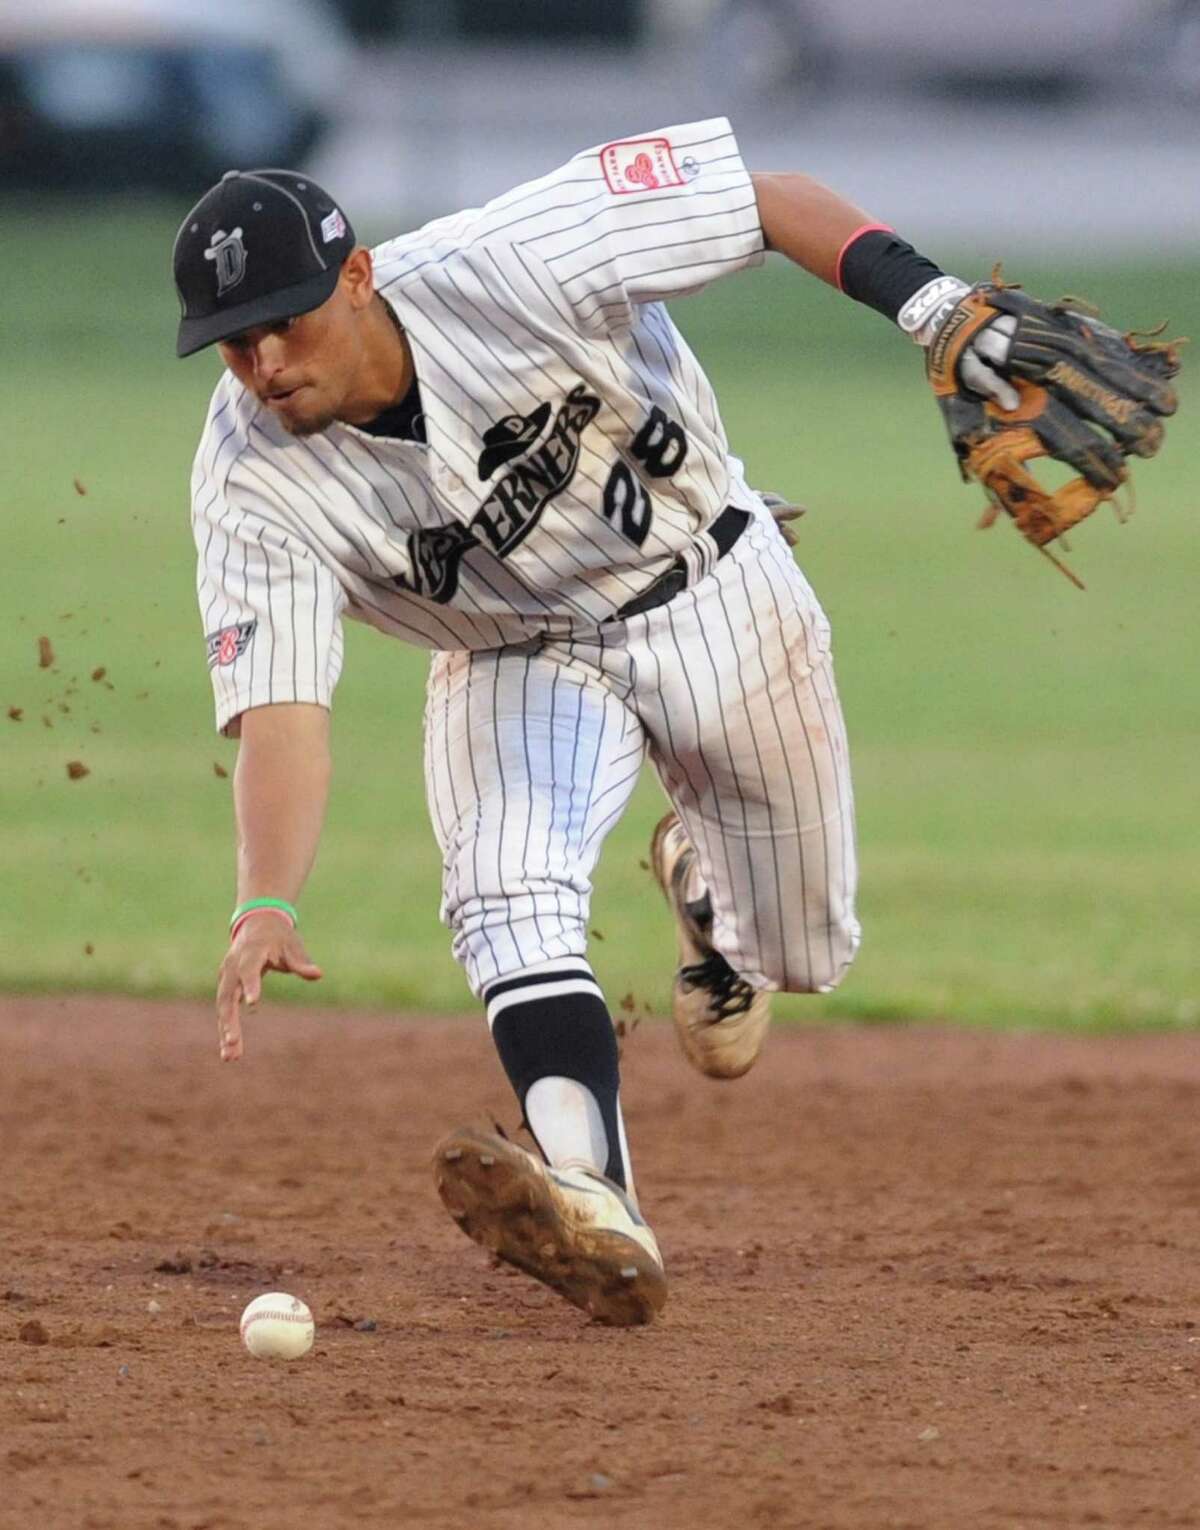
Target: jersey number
point(626, 504)
point(660, 446)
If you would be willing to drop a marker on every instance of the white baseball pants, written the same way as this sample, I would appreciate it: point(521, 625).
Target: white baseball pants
point(532, 752)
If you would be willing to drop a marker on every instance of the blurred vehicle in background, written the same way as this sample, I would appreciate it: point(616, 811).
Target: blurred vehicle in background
point(1181, 54)
point(1024, 47)
point(110, 94)
point(525, 22)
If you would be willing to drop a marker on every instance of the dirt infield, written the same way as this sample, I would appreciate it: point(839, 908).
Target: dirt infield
point(920, 1279)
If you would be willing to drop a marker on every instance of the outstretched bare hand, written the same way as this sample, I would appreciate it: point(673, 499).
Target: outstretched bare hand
point(265, 944)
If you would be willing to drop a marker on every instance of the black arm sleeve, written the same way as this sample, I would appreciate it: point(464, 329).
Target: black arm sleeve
point(883, 271)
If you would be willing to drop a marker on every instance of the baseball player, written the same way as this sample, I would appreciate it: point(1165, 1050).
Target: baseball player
point(488, 437)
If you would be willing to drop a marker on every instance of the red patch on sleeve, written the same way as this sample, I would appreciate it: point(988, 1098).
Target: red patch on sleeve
point(639, 164)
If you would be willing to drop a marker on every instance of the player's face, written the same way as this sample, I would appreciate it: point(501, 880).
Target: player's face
point(304, 370)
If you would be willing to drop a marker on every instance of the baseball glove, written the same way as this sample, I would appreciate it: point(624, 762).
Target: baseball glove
point(1071, 373)
point(782, 511)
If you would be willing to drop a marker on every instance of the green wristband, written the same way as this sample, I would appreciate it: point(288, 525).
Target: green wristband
point(252, 903)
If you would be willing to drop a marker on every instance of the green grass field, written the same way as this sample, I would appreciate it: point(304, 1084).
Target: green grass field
point(1025, 753)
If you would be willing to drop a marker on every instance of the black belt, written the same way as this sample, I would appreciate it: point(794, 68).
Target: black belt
point(723, 533)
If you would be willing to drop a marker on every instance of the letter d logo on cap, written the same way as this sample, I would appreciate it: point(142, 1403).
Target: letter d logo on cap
point(229, 253)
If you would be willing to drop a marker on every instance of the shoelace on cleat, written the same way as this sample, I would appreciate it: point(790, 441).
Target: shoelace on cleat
point(731, 994)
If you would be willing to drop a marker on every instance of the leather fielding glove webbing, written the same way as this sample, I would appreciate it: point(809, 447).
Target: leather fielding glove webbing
point(1072, 374)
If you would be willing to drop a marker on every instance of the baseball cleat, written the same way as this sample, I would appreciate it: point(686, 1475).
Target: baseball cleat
point(721, 1021)
point(570, 1228)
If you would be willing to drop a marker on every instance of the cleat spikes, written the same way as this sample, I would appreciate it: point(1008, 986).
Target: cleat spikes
point(572, 1229)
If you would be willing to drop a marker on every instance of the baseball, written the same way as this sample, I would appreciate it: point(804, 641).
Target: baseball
point(277, 1326)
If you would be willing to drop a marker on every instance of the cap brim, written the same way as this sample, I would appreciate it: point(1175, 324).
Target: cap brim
point(195, 334)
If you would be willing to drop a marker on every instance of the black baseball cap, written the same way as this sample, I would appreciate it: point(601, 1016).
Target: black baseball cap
point(260, 246)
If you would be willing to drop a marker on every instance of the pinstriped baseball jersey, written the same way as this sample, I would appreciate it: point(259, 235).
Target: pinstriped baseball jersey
point(573, 444)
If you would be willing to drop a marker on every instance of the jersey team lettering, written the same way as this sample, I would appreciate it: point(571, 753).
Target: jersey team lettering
point(515, 505)
point(639, 164)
